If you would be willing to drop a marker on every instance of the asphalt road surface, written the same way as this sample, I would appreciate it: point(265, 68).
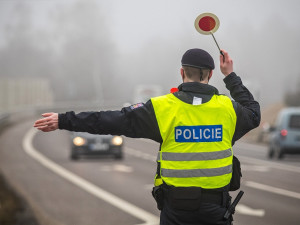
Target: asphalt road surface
point(118, 192)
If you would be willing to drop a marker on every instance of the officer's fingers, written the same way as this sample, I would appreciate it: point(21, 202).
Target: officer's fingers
point(229, 60)
point(41, 125)
point(46, 128)
point(38, 122)
point(221, 60)
point(41, 121)
point(225, 54)
point(224, 51)
point(227, 57)
point(47, 114)
point(45, 122)
point(48, 117)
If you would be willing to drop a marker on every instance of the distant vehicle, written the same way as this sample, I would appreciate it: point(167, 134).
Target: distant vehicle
point(85, 144)
point(285, 135)
point(143, 93)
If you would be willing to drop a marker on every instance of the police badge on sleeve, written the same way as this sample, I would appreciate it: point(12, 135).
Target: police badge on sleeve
point(135, 106)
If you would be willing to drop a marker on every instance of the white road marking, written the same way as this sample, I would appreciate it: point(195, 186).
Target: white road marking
point(118, 167)
point(105, 168)
point(279, 166)
point(272, 189)
point(245, 210)
point(257, 168)
point(119, 203)
point(140, 154)
point(122, 168)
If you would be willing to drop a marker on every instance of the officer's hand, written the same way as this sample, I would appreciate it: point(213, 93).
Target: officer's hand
point(226, 65)
point(49, 123)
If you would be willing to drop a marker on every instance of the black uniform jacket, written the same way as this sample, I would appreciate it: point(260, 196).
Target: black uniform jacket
point(139, 121)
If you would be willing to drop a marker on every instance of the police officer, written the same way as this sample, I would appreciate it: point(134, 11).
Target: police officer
point(196, 128)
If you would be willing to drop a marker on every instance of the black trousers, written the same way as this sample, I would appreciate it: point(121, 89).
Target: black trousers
point(206, 214)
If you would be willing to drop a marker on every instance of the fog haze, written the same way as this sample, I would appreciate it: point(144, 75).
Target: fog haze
point(99, 50)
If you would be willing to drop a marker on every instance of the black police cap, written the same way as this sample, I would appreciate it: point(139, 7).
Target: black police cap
point(197, 58)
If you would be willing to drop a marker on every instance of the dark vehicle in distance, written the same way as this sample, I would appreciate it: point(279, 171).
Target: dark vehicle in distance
point(85, 144)
point(285, 135)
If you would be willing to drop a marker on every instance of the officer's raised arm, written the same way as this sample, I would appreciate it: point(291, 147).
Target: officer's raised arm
point(246, 107)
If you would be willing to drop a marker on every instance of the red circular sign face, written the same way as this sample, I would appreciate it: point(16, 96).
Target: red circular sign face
point(207, 23)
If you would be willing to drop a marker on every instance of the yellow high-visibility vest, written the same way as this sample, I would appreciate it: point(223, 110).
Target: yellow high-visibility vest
point(196, 150)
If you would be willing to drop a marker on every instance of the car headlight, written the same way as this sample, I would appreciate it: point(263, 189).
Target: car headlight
point(79, 141)
point(117, 140)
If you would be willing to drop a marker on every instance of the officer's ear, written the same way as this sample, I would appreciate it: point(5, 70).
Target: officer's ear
point(182, 73)
point(210, 74)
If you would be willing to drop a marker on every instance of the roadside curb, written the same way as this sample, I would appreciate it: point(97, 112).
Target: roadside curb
point(41, 217)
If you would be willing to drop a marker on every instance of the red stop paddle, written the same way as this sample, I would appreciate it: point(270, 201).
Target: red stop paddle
point(208, 23)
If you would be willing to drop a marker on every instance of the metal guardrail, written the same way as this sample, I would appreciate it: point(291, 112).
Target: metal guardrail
point(4, 120)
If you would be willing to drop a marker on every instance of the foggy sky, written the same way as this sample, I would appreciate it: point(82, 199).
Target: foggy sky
point(104, 48)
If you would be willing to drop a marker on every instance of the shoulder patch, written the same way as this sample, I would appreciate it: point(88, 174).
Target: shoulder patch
point(135, 106)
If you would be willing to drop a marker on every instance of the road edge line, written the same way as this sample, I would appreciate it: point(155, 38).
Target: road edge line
point(272, 189)
point(275, 165)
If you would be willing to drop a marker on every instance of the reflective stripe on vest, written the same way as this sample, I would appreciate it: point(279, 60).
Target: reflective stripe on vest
point(196, 148)
point(197, 173)
point(196, 156)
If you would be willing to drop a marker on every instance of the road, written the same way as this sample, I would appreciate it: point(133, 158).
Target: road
point(112, 192)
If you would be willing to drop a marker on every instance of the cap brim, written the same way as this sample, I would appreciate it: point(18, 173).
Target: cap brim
point(199, 67)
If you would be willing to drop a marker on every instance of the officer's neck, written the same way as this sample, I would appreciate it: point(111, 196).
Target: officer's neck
point(187, 80)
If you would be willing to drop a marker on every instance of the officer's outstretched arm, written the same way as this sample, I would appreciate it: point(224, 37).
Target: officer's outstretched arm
point(226, 65)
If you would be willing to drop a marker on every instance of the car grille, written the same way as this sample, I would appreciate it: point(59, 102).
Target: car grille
point(99, 140)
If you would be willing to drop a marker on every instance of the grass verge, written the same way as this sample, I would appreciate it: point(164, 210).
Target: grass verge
point(13, 209)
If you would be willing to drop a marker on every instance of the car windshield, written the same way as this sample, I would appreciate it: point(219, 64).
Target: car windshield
point(295, 122)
